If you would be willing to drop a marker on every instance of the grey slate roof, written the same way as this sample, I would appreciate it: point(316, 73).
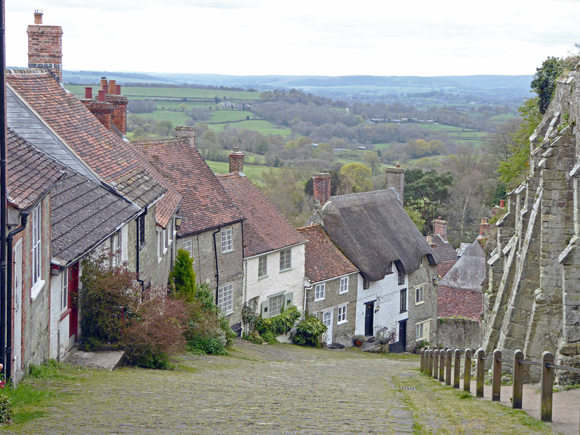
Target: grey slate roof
point(372, 229)
point(470, 270)
point(22, 120)
point(83, 214)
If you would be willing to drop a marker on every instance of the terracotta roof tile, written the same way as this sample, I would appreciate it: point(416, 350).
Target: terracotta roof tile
point(113, 159)
point(205, 205)
point(323, 259)
point(30, 174)
point(459, 303)
point(444, 249)
point(265, 228)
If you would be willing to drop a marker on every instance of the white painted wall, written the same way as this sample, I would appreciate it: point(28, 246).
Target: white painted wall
point(290, 281)
point(56, 324)
point(386, 292)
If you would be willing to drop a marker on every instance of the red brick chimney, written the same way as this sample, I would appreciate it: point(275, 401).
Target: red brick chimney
point(102, 110)
point(396, 180)
point(236, 161)
point(120, 102)
point(187, 133)
point(440, 228)
point(484, 228)
point(45, 46)
point(321, 187)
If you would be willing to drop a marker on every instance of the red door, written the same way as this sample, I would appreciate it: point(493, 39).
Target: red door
point(73, 292)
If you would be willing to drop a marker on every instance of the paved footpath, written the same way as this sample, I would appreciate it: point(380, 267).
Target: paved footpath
point(260, 390)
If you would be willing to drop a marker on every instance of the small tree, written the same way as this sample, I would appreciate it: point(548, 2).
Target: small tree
point(183, 275)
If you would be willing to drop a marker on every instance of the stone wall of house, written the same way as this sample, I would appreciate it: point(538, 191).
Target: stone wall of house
point(458, 333)
point(532, 294)
point(230, 265)
point(341, 333)
point(422, 311)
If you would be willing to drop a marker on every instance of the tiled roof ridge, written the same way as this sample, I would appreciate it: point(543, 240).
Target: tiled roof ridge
point(39, 72)
point(171, 140)
point(359, 195)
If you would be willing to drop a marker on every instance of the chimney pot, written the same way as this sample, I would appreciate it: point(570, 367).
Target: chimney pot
point(321, 186)
point(112, 84)
point(89, 92)
point(102, 95)
point(117, 89)
point(38, 16)
point(502, 203)
point(104, 83)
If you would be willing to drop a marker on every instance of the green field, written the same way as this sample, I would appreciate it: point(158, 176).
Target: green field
point(229, 115)
point(259, 125)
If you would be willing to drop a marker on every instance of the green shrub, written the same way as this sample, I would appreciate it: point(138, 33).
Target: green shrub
point(280, 324)
point(308, 332)
point(6, 413)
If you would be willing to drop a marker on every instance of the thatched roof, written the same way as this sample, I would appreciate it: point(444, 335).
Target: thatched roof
point(372, 229)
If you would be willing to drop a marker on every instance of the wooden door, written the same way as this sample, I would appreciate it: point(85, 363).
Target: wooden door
point(369, 318)
point(73, 292)
point(17, 355)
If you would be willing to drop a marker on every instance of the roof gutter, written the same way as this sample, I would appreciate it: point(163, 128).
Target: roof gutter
point(3, 189)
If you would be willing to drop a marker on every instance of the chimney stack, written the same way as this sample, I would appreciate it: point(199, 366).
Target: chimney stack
point(186, 133)
point(440, 228)
point(321, 187)
point(99, 108)
point(119, 102)
point(484, 228)
point(396, 180)
point(45, 46)
point(236, 161)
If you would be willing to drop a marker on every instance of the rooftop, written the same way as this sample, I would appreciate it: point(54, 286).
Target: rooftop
point(459, 303)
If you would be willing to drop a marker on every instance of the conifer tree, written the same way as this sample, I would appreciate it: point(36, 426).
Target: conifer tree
point(183, 275)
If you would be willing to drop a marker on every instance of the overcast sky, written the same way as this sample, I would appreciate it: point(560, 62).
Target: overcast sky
point(302, 37)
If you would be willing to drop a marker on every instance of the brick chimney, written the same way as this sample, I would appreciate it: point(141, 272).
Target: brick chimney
point(102, 110)
point(440, 228)
point(186, 132)
point(119, 102)
point(236, 161)
point(321, 187)
point(484, 228)
point(396, 180)
point(45, 46)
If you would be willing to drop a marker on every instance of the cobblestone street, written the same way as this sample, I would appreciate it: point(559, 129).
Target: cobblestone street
point(261, 389)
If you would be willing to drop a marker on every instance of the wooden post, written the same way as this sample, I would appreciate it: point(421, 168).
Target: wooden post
point(518, 385)
point(442, 364)
point(430, 369)
point(496, 379)
point(457, 368)
point(467, 371)
point(480, 354)
point(422, 365)
point(435, 362)
point(547, 386)
point(448, 367)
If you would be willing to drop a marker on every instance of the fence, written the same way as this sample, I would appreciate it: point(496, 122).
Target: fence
point(437, 363)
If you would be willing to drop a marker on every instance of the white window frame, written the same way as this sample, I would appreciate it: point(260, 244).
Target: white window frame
point(285, 260)
point(64, 291)
point(343, 285)
point(319, 292)
point(188, 246)
point(227, 240)
point(164, 241)
point(36, 252)
point(422, 330)
point(274, 308)
point(327, 318)
point(420, 295)
point(117, 248)
point(159, 246)
point(226, 298)
point(169, 233)
point(262, 266)
point(341, 317)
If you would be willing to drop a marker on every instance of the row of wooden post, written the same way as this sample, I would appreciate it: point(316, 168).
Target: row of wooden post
point(437, 363)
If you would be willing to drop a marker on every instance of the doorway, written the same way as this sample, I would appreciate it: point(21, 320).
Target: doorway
point(17, 355)
point(327, 320)
point(73, 300)
point(370, 318)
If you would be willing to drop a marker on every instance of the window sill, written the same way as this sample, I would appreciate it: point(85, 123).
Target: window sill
point(36, 289)
point(141, 246)
point(262, 277)
point(65, 313)
point(285, 270)
point(403, 311)
point(159, 259)
point(229, 313)
point(343, 293)
point(341, 323)
point(318, 300)
point(227, 252)
point(419, 303)
point(164, 251)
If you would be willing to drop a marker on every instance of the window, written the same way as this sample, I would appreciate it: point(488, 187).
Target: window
point(169, 232)
point(390, 268)
point(226, 298)
point(366, 284)
point(327, 318)
point(422, 330)
point(343, 285)
point(263, 266)
point(36, 245)
point(276, 304)
point(341, 315)
point(319, 292)
point(117, 249)
point(419, 295)
point(159, 242)
point(141, 230)
point(401, 278)
point(188, 247)
point(64, 290)
point(227, 241)
point(403, 300)
point(165, 240)
point(285, 260)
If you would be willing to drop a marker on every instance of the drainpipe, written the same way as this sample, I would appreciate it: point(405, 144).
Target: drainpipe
point(9, 241)
point(3, 189)
point(305, 295)
point(217, 270)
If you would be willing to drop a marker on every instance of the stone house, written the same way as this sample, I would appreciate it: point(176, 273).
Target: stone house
point(211, 223)
point(331, 286)
point(398, 273)
point(273, 249)
point(31, 178)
